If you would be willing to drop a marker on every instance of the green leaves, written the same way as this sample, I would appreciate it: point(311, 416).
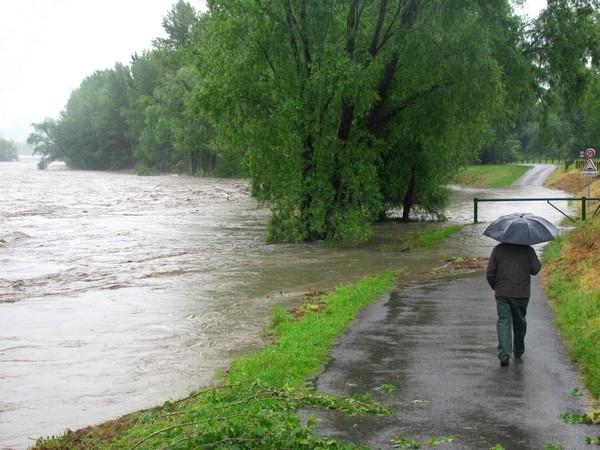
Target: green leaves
point(404, 443)
point(585, 418)
point(324, 101)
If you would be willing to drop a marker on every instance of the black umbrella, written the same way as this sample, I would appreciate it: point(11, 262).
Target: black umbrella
point(525, 229)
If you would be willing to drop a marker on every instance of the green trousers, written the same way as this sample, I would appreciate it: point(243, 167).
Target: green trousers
point(511, 320)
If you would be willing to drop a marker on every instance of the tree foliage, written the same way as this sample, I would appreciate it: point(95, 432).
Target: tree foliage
point(564, 46)
point(8, 150)
point(92, 127)
point(591, 115)
point(45, 141)
point(348, 109)
point(137, 115)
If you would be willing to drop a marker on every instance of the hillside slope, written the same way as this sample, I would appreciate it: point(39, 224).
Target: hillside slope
point(575, 183)
point(580, 253)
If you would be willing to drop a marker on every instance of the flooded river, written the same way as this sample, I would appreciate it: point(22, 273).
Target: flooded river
point(120, 292)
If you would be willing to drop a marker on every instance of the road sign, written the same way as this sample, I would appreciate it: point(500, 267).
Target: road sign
point(590, 166)
point(590, 169)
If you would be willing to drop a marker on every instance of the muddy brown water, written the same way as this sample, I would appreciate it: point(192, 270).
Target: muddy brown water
point(120, 292)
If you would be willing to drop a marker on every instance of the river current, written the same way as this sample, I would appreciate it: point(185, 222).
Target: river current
point(120, 292)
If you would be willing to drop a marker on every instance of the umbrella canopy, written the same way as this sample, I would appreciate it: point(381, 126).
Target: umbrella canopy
point(524, 229)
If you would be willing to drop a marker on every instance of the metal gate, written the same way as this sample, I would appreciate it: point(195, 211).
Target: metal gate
point(583, 201)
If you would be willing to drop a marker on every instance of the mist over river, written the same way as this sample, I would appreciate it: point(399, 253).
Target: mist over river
point(120, 292)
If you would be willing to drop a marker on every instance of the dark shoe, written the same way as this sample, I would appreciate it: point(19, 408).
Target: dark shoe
point(505, 362)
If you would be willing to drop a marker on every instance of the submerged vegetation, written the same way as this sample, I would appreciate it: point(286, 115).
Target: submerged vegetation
point(432, 236)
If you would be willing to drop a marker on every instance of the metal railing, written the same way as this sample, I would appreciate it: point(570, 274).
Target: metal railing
point(583, 201)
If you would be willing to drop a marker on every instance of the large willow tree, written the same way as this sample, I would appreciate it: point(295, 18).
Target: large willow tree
point(346, 109)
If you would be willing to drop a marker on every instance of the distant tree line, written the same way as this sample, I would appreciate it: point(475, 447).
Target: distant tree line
point(340, 112)
point(8, 150)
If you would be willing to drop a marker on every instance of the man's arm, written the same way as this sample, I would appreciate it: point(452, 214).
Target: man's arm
point(534, 263)
point(490, 274)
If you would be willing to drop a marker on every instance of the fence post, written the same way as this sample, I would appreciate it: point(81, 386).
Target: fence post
point(583, 207)
point(475, 210)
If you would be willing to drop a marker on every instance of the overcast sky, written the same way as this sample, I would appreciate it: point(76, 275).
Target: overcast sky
point(47, 47)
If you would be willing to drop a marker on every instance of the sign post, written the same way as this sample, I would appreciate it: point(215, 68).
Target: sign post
point(590, 170)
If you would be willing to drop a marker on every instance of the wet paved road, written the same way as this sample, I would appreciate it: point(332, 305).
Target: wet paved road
point(437, 344)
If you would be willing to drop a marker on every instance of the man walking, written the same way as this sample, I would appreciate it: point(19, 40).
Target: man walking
point(509, 273)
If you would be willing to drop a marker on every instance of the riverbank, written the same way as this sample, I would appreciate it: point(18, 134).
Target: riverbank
point(274, 424)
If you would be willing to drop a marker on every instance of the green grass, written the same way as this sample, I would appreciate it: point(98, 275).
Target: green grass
point(572, 286)
point(299, 351)
point(489, 175)
point(255, 403)
point(578, 318)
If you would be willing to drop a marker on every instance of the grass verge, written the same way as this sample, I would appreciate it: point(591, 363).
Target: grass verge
point(489, 175)
point(572, 273)
point(255, 403)
point(572, 277)
point(578, 185)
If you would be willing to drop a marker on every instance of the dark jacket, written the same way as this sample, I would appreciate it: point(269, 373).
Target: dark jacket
point(510, 268)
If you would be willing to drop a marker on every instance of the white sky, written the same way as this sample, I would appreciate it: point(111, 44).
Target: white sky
point(47, 47)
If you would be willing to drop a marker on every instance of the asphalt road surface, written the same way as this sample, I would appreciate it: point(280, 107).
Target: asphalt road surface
point(536, 176)
point(436, 343)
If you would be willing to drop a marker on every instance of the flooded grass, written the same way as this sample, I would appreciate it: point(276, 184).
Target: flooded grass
point(431, 237)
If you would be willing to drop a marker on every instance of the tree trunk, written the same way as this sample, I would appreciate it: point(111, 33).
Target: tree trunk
point(408, 199)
